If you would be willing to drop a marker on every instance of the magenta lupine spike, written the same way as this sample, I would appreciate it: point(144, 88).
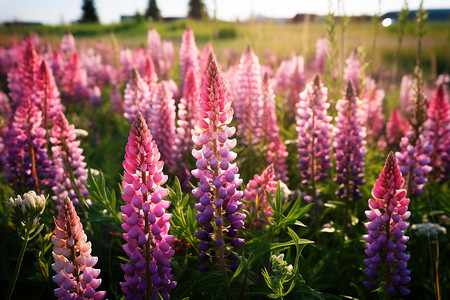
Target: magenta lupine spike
point(297, 83)
point(74, 265)
point(438, 124)
point(28, 166)
point(137, 96)
point(5, 111)
point(322, 52)
point(187, 112)
point(57, 65)
point(372, 116)
point(217, 174)
point(68, 45)
point(349, 145)
point(205, 59)
point(116, 101)
point(406, 92)
point(415, 148)
point(149, 72)
point(74, 81)
point(256, 194)
point(162, 123)
point(276, 155)
point(248, 98)
point(155, 50)
point(126, 64)
point(314, 135)
point(168, 56)
point(188, 55)
point(146, 222)
point(352, 71)
point(396, 128)
point(385, 241)
point(71, 172)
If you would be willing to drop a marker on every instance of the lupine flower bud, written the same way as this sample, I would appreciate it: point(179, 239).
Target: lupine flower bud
point(349, 145)
point(74, 264)
point(27, 207)
point(146, 222)
point(217, 174)
point(385, 240)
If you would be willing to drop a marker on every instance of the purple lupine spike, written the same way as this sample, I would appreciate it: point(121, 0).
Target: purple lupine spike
point(74, 81)
point(322, 52)
point(188, 56)
point(5, 111)
point(297, 83)
point(415, 148)
point(372, 100)
point(314, 135)
point(116, 101)
point(28, 166)
point(137, 96)
point(396, 128)
point(255, 193)
point(438, 124)
point(217, 174)
point(385, 240)
point(349, 145)
point(74, 265)
point(162, 123)
point(248, 98)
point(352, 71)
point(276, 153)
point(57, 64)
point(155, 50)
point(71, 172)
point(146, 222)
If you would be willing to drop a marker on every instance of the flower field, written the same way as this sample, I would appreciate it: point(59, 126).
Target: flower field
point(169, 170)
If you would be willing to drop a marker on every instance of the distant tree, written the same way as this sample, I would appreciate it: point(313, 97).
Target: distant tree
point(197, 10)
point(152, 11)
point(89, 12)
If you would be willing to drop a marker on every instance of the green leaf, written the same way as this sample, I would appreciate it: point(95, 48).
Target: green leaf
point(238, 270)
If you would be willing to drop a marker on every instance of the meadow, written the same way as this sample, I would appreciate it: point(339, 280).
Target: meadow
point(213, 160)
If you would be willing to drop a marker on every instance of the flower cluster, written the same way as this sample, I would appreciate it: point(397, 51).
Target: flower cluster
point(27, 207)
point(322, 52)
point(188, 56)
point(146, 222)
point(137, 96)
point(396, 128)
point(349, 145)
point(386, 240)
point(352, 71)
point(372, 98)
point(74, 264)
point(218, 176)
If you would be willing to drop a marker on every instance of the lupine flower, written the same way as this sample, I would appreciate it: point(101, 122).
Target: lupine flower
point(386, 240)
point(297, 83)
point(68, 45)
point(168, 56)
point(155, 51)
point(71, 172)
point(415, 148)
point(322, 51)
point(205, 59)
point(57, 65)
point(352, 71)
point(126, 64)
point(218, 176)
point(349, 145)
point(27, 207)
point(149, 72)
point(396, 128)
point(406, 92)
point(255, 194)
point(5, 111)
point(314, 135)
point(162, 123)
point(372, 100)
point(74, 264)
point(137, 96)
point(27, 164)
point(438, 124)
point(248, 98)
point(74, 81)
point(188, 55)
point(277, 150)
point(116, 101)
point(146, 222)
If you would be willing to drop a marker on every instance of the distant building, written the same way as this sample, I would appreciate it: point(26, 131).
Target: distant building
point(434, 15)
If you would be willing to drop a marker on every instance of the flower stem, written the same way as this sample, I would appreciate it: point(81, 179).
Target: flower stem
point(20, 259)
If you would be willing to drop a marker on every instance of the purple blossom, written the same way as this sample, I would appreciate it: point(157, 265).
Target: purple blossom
point(137, 96)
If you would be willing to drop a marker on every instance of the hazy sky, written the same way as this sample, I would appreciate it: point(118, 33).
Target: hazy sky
point(65, 11)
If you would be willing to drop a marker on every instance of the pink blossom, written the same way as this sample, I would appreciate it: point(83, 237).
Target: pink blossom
point(188, 55)
point(155, 51)
point(352, 71)
point(406, 92)
point(322, 52)
point(74, 81)
point(396, 128)
point(372, 105)
point(137, 96)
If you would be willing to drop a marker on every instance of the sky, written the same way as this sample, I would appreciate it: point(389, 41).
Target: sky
point(109, 11)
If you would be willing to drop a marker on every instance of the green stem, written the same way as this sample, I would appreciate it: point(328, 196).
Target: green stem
point(19, 261)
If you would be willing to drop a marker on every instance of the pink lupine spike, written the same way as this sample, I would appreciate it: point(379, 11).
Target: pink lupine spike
point(349, 148)
point(218, 175)
point(162, 123)
point(168, 56)
point(438, 125)
point(188, 55)
point(352, 71)
point(385, 241)
point(28, 166)
point(57, 65)
point(126, 64)
point(145, 221)
point(372, 106)
point(277, 155)
point(74, 263)
point(396, 128)
point(206, 57)
point(248, 98)
point(116, 101)
point(68, 45)
point(256, 194)
point(155, 50)
point(137, 96)
point(406, 92)
point(149, 72)
point(74, 81)
point(322, 52)
point(314, 135)
point(296, 83)
point(71, 172)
